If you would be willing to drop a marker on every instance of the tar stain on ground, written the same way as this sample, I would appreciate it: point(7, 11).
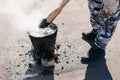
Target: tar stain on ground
point(69, 60)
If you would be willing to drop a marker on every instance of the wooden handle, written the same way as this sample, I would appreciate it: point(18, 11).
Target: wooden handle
point(57, 11)
point(63, 3)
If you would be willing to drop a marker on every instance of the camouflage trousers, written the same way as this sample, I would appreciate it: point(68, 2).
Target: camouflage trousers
point(103, 26)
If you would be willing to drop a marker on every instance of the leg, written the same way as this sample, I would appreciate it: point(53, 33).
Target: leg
point(103, 37)
point(95, 7)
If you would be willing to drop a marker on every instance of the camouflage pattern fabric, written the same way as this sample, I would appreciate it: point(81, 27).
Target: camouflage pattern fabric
point(104, 25)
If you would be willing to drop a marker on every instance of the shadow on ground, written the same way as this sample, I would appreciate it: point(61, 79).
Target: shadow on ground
point(98, 71)
point(38, 72)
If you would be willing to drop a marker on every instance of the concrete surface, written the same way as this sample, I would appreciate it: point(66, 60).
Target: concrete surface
point(17, 17)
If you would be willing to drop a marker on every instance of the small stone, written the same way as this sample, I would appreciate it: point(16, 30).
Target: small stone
point(30, 65)
point(17, 73)
point(62, 23)
point(67, 62)
point(25, 64)
point(23, 60)
point(26, 53)
point(69, 46)
point(20, 54)
point(6, 68)
point(58, 46)
point(22, 46)
point(72, 60)
point(62, 67)
point(57, 74)
point(64, 52)
point(58, 62)
point(65, 56)
point(18, 65)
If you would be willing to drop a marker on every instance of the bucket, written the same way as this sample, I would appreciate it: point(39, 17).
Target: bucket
point(44, 45)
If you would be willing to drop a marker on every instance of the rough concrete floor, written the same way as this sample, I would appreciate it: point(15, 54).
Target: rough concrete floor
point(16, 17)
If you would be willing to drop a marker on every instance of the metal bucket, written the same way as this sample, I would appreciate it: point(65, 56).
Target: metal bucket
point(44, 46)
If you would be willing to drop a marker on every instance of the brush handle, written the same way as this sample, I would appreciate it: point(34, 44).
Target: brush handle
point(57, 11)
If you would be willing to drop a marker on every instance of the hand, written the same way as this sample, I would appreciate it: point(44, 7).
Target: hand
point(107, 11)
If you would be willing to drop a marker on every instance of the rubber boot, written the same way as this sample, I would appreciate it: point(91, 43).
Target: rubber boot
point(94, 54)
point(89, 36)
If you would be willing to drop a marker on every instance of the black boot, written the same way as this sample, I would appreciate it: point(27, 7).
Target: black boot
point(89, 36)
point(94, 54)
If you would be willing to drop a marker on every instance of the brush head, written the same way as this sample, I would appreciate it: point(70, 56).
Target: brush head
point(44, 24)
